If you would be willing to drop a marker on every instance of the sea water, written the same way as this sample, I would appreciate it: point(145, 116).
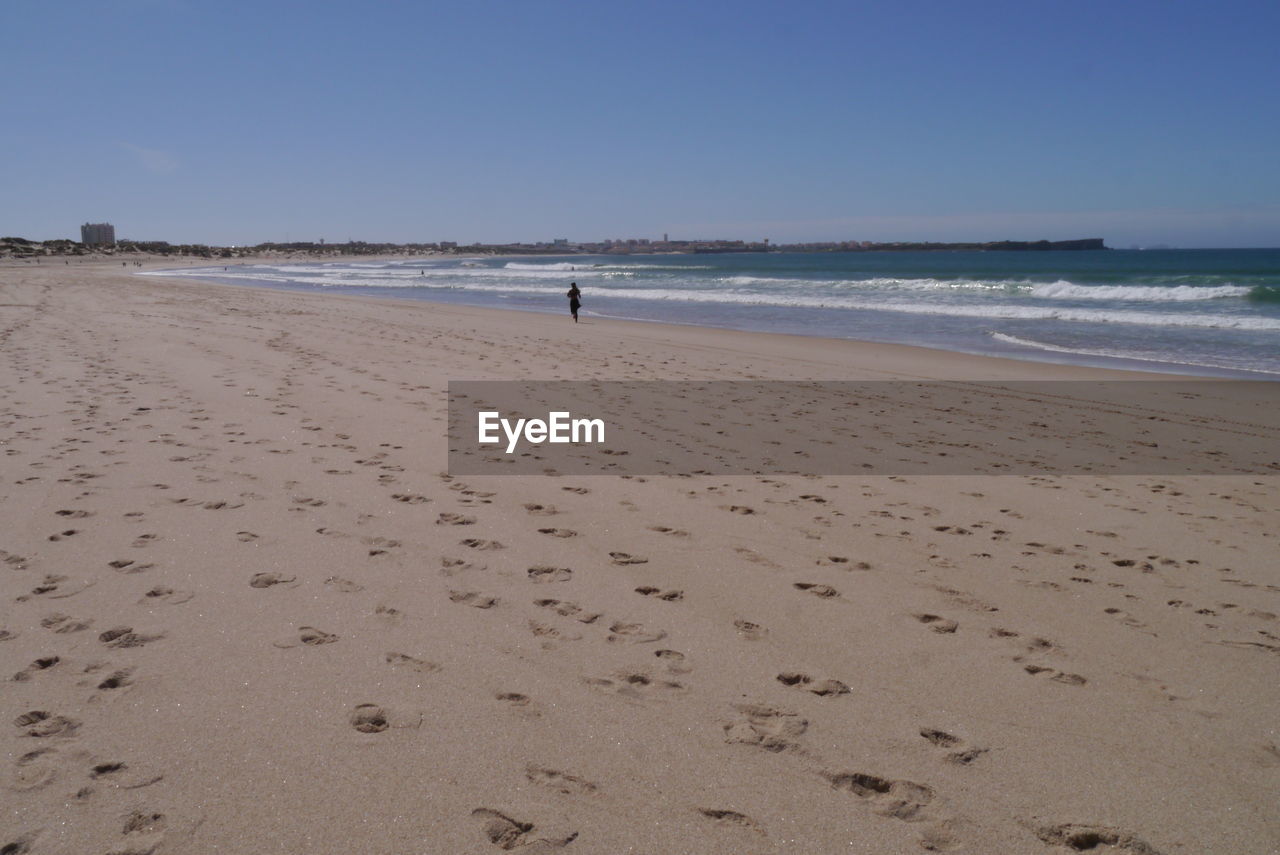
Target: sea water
point(1212, 312)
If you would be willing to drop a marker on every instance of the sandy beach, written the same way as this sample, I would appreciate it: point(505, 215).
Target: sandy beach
point(247, 610)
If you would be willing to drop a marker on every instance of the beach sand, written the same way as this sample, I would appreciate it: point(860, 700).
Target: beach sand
point(245, 609)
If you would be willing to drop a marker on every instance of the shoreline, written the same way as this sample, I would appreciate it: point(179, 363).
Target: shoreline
point(926, 360)
point(1044, 357)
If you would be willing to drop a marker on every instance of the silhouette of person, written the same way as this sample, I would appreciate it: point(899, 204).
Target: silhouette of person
point(575, 300)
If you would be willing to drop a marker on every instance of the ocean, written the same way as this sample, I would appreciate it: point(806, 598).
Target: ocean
point(1207, 312)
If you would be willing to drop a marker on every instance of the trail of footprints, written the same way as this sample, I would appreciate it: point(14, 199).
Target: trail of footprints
point(753, 726)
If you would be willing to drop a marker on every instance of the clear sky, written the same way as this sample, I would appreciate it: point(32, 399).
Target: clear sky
point(229, 122)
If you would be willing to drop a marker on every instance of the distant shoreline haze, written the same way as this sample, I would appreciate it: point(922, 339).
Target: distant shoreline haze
point(15, 247)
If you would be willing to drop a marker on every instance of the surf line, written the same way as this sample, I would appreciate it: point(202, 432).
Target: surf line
point(558, 427)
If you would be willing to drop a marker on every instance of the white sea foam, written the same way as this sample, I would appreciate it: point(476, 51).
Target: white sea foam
point(518, 272)
point(1174, 358)
point(875, 294)
point(574, 267)
point(936, 285)
point(516, 265)
point(994, 311)
point(1054, 348)
point(658, 266)
point(1137, 293)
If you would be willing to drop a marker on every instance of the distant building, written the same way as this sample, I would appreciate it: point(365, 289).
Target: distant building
point(98, 234)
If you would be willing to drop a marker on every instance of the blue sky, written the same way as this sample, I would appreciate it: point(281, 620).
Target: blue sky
point(234, 122)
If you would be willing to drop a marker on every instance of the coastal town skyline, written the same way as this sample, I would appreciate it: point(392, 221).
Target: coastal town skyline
point(99, 239)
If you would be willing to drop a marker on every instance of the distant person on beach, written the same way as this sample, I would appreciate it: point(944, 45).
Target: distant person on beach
point(575, 300)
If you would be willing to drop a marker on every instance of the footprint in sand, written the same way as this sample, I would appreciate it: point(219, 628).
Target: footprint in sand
point(55, 587)
point(623, 558)
point(904, 800)
point(541, 510)
point(766, 727)
point(455, 519)
point(33, 771)
point(410, 663)
point(124, 637)
point(675, 661)
point(369, 718)
point(558, 532)
point(62, 624)
point(826, 592)
point(730, 819)
point(749, 630)
point(44, 663)
point(547, 631)
point(409, 498)
point(542, 574)
point(309, 636)
point(669, 596)
point(567, 609)
point(389, 614)
point(477, 543)
point(636, 685)
point(1056, 675)
point(165, 594)
point(268, 580)
point(125, 776)
point(843, 563)
point(514, 698)
point(561, 782)
point(673, 532)
point(381, 544)
point(454, 566)
point(821, 688)
point(344, 586)
point(1087, 838)
point(116, 680)
point(40, 724)
point(475, 599)
point(634, 633)
point(144, 822)
point(1126, 618)
point(937, 623)
point(961, 757)
point(124, 565)
point(742, 510)
point(507, 833)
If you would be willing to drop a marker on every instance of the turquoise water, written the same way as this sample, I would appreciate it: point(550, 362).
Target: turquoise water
point(1203, 311)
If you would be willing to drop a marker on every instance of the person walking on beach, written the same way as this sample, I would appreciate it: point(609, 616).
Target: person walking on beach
point(575, 300)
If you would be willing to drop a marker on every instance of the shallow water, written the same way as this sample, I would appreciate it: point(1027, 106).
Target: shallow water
point(1213, 312)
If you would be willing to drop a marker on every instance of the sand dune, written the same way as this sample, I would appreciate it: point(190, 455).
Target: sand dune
point(246, 609)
